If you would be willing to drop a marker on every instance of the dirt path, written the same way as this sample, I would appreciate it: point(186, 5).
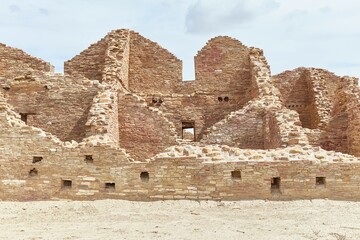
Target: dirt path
point(109, 219)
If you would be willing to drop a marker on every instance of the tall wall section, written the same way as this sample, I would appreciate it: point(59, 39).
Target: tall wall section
point(15, 62)
point(143, 131)
point(117, 58)
point(222, 85)
point(152, 69)
point(297, 94)
point(89, 63)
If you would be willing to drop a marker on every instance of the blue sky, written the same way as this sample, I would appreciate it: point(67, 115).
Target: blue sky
point(310, 33)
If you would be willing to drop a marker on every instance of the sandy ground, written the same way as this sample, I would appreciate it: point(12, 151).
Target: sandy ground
point(114, 219)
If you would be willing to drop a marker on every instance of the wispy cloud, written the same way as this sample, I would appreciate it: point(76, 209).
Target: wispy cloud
point(44, 11)
point(14, 9)
point(206, 16)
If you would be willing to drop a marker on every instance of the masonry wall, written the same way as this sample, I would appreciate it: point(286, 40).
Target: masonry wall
point(223, 63)
point(143, 131)
point(222, 85)
point(242, 129)
point(203, 109)
point(271, 132)
point(152, 69)
point(117, 58)
point(297, 94)
point(89, 63)
point(15, 62)
point(335, 136)
point(168, 178)
point(57, 105)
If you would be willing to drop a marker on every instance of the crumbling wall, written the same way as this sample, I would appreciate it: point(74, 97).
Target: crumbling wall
point(59, 105)
point(242, 129)
point(38, 166)
point(152, 69)
point(15, 62)
point(222, 85)
point(223, 63)
point(298, 94)
point(352, 92)
point(89, 63)
point(117, 58)
point(335, 135)
point(143, 131)
point(271, 131)
point(201, 108)
point(103, 117)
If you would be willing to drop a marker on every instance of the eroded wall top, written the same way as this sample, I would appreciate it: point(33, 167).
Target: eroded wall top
point(15, 62)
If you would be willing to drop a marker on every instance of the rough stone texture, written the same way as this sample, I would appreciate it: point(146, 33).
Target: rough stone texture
point(15, 62)
point(120, 123)
point(89, 63)
point(57, 104)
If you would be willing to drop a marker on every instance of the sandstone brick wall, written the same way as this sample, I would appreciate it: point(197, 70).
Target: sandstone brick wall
point(335, 135)
point(256, 136)
point(90, 63)
point(201, 108)
point(223, 63)
point(56, 104)
point(243, 129)
point(117, 58)
point(15, 62)
point(143, 131)
point(152, 69)
point(271, 131)
point(198, 173)
point(297, 95)
point(103, 117)
point(353, 109)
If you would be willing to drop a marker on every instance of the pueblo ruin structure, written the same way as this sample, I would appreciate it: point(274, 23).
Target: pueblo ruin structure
point(122, 124)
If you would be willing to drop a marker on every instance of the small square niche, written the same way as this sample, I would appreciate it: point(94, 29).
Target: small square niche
point(144, 176)
point(275, 185)
point(66, 184)
point(320, 181)
point(89, 159)
point(236, 175)
point(110, 186)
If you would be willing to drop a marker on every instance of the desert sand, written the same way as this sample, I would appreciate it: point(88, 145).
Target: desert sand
point(117, 219)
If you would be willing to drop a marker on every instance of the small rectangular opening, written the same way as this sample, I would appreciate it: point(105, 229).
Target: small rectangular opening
point(236, 175)
point(37, 159)
point(144, 176)
point(275, 184)
point(89, 159)
point(188, 131)
point(66, 184)
point(24, 117)
point(33, 172)
point(320, 181)
point(110, 186)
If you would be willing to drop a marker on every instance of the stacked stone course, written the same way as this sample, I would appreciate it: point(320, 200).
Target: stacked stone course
point(114, 126)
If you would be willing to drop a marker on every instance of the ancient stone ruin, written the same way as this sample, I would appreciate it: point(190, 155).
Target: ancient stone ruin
point(121, 123)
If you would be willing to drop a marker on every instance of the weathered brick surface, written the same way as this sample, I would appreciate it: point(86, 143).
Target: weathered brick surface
point(90, 63)
point(120, 134)
point(57, 104)
point(15, 62)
